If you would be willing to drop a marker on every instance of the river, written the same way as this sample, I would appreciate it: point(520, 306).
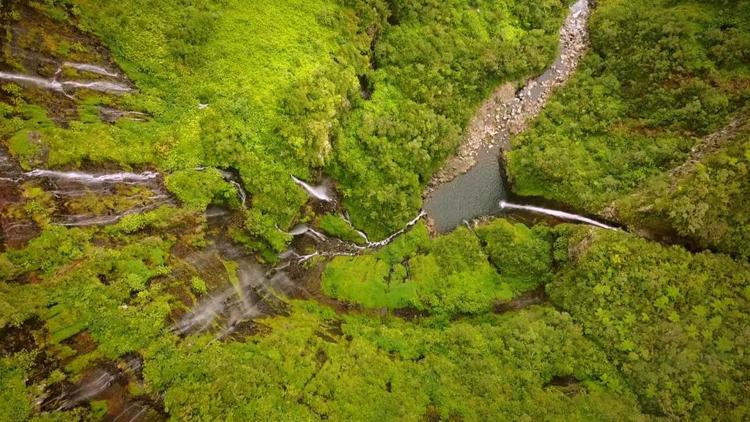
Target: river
point(479, 191)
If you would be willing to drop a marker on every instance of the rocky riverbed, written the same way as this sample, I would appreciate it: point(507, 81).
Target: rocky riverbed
point(507, 111)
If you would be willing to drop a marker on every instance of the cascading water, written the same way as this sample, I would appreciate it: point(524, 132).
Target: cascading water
point(555, 213)
point(390, 238)
point(91, 68)
point(319, 192)
point(62, 86)
point(142, 192)
point(252, 293)
point(90, 178)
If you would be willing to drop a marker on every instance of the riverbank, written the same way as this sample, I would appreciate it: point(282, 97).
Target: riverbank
point(471, 183)
point(507, 111)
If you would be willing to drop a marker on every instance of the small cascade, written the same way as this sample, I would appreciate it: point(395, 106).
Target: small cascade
point(49, 84)
point(240, 192)
point(253, 294)
point(93, 179)
point(361, 234)
point(332, 247)
point(104, 220)
point(87, 390)
point(304, 229)
point(319, 192)
point(144, 189)
point(555, 213)
point(106, 382)
point(62, 86)
point(91, 68)
point(233, 180)
point(101, 86)
point(390, 238)
point(69, 185)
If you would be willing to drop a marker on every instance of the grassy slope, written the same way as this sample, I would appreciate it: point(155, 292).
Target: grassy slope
point(705, 200)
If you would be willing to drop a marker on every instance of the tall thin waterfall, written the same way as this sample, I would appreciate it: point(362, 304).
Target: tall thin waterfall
point(555, 213)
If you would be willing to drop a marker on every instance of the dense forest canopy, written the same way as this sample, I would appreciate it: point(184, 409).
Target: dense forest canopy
point(661, 77)
point(163, 254)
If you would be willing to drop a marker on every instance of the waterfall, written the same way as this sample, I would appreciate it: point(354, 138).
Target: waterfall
point(60, 86)
point(91, 68)
point(103, 86)
point(304, 229)
point(361, 234)
point(253, 295)
point(240, 192)
point(318, 192)
point(50, 84)
point(555, 213)
point(390, 238)
point(88, 178)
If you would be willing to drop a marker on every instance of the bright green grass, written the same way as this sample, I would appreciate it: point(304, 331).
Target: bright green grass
point(451, 274)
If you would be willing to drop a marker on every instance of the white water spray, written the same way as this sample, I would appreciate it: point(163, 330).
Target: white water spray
point(91, 68)
point(88, 178)
point(240, 192)
point(304, 229)
point(102, 86)
point(555, 213)
point(390, 238)
point(318, 192)
point(52, 85)
point(61, 86)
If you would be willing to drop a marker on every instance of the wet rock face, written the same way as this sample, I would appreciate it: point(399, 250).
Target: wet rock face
point(15, 339)
point(53, 60)
point(14, 233)
point(73, 198)
point(106, 381)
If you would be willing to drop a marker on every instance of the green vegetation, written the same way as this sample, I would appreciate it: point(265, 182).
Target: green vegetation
point(674, 323)
point(369, 369)
point(707, 199)
point(15, 403)
point(376, 94)
point(522, 256)
point(336, 226)
point(282, 84)
point(199, 188)
point(659, 75)
point(448, 275)
point(432, 63)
